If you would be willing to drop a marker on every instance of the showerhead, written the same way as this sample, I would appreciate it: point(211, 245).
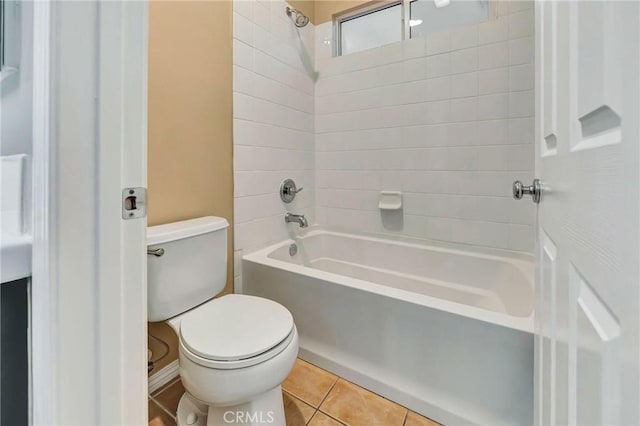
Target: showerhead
point(299, 18)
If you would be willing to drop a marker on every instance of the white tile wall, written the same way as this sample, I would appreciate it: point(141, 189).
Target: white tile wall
point(273, 85)
point(447, 120)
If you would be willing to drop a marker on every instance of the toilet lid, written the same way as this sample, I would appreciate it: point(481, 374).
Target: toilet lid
point(235, 327)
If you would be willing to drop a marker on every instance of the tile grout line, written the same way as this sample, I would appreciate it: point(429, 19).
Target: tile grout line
point(312, 416)
point(324, 399)
point(381, 396)
point(329, 391)
point(331, 417)
point(294, 396)
point(165, 387)
point(162, 407)
point(160, 391)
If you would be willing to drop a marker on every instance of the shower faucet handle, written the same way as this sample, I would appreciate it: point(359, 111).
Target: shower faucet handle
point(288, 190)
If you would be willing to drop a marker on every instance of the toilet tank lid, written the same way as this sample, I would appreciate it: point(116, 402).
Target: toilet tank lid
point(184, 229)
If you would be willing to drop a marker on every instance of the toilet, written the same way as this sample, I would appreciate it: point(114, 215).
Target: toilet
point(234, 351)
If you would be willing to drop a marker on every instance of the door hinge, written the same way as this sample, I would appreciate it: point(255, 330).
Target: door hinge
point(134, 203)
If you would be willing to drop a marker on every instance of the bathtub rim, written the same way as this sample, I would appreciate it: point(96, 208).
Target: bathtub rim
point(524, 324)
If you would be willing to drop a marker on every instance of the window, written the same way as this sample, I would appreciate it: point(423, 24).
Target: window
point(432, 16)
point(370, 28)
point(383, 23)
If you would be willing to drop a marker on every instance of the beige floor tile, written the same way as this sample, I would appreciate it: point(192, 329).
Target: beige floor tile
point(159, 417)
point(415, 419)
point(321, 419)
point(169, 396)
point(309, 383)
point(356, 406)
point(296, 412)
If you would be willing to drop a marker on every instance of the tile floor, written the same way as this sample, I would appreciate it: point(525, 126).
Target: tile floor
point(312, 396)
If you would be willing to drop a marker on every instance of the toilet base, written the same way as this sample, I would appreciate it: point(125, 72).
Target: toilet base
point(265, 409)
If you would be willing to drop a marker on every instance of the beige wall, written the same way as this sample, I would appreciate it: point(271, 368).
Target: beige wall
point(325, 9)
point(305, 6)
point(190, 119)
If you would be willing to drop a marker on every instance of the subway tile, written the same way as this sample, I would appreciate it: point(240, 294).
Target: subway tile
point(242, 54)
point(413, 92)
point(493, 107)
point(521, 130)
point(425, 136)
point(518, 6)
point(461, 134)
point(414, 48)
point(480, 233)
point(439, 228)
point(242, 29)
point(501, 7)
point(364, 126)
point(521, 51)
point(438, 43)
point(243, 80)
point(262, 15)
point(435, 113)
point(521, 24)
point(521, 77)
point(438, 65)
point(492, 132)
point(464, 109)
point(493, 81)
point(464, 85)
point(493, 55)
point(521, 238)
point(438, 89)
point(521, 104)
point(465, 60)
point(520, 157)
point(493, 31)
point(414, 69)
point(244, 8)
point(464, 37)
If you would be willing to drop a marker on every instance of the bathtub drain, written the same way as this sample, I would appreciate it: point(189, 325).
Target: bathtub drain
point(293, 249)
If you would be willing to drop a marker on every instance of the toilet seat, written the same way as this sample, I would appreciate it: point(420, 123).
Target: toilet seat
point(242, 363)
point(235, 331)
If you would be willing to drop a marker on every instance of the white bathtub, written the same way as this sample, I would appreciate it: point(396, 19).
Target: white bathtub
point(446, 332)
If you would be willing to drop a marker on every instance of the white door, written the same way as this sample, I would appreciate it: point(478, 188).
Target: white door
point(89, 302)
point(587, 159)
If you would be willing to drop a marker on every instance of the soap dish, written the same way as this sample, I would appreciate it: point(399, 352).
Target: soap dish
point(390, 200)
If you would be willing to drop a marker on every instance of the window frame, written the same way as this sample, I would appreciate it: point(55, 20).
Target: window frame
point(367, 9)
point(376, 6)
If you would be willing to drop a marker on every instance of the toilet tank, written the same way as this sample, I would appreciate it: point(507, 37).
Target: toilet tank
point(190, 266)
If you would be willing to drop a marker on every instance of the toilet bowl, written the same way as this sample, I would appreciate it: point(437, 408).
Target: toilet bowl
point(234, 351)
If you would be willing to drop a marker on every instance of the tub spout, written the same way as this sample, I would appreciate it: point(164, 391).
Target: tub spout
point(296, 218)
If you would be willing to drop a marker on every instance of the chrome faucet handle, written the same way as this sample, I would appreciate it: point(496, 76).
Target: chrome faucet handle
point(288, 190)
